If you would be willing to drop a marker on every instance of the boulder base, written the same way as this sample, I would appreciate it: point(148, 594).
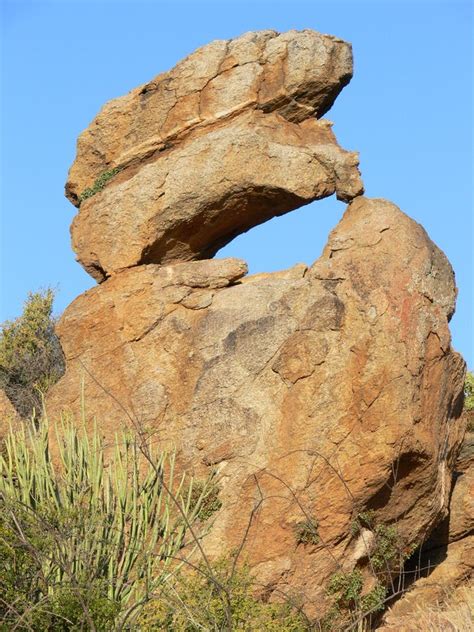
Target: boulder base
point(315, 394)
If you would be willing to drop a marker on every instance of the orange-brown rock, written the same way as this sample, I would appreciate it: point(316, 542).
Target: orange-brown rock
point(315, 392)
point(8, 414)
point(445, 562)
point(226, 140)
point(427, 605)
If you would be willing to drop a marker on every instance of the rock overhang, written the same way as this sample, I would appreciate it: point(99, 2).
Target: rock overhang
point(224, 141)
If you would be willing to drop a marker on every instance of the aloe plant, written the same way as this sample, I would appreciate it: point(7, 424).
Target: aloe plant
point(118, 522)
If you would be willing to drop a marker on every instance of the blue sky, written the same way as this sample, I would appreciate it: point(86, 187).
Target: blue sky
point(408, 111)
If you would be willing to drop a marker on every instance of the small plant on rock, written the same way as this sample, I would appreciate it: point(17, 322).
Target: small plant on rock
point(205, 494)
point(389, 551)
point(99, 184)
point(364, 519)
point(349, 602)
point(306, 531)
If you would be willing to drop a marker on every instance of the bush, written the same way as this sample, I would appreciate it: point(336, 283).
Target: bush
point(84, 545)
point(31, 358)
point(469, 391)
point(390, 550)
point(350, 607)
point(198, 601)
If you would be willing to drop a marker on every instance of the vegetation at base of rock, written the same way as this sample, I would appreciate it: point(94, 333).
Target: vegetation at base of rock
point(99, 184)
point(224, 600)
point(364, 519)
point(206, 493)
point(349, 604)
point(389, 551)
point(83, 544)
point(31, 358)
point(306, 531)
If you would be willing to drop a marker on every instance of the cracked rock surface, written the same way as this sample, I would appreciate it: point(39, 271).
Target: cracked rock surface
point(227, 139)
point(320, 391)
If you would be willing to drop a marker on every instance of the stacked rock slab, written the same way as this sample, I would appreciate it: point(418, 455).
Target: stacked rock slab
point(314, 393)
point(226, 140)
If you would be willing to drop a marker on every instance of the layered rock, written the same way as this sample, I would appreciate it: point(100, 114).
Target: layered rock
point(315, 393)
point(226, 140)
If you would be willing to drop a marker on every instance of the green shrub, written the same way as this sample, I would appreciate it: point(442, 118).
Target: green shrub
point(347, 589)
point(349, 605)
point(99, 184)
point(196, 602)
point(80, 540)
point(364, 519)
point(31, 358)
point(469, 391)
point(390, 551)
point(306, 531)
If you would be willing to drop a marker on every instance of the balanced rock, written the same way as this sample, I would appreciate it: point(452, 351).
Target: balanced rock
point(226, 140)
point(314, 393)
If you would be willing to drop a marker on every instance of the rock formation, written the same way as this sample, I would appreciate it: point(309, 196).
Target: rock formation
point(446, 559)
point(224, 141)
point(315, 393)
point(8, 414)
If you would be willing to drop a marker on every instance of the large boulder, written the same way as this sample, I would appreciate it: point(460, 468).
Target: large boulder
point(226, 140)
point(316, 394)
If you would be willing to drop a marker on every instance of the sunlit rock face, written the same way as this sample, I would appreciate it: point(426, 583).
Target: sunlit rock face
point(227, 139)
point(315, 393)
point(321, 391)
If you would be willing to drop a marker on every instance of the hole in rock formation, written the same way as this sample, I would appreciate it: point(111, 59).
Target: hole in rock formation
point(205, 233)
point(282, 242)
point(229, 138)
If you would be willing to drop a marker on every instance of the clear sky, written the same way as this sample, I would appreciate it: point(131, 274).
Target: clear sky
point(408, 111)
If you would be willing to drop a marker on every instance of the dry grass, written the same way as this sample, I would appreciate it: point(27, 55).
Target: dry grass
point(454, 614)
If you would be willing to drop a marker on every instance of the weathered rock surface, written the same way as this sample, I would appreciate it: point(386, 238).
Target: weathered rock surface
point(8, 414)
point(224, 141)
point(433, 594)
point(447, 559)
point(315, 392)
point(296, 74)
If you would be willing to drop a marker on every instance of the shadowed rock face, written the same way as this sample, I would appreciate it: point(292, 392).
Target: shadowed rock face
point(446, 559)
point(331, 390)
point(226, 140)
